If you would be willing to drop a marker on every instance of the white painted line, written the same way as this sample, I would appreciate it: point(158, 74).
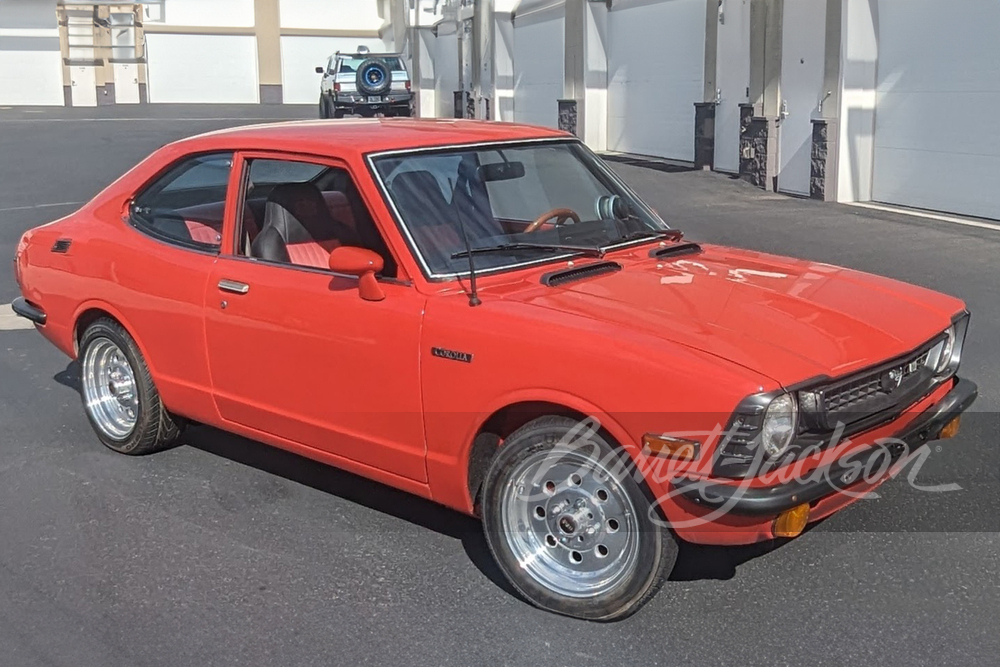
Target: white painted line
point(11, 322)
point(34, 206)
point(969, 222)
point(137, 120)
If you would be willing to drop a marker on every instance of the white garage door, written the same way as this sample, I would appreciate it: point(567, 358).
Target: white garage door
point(936, 139)
point(202, 68)
point(539, 64)
point(656, 67)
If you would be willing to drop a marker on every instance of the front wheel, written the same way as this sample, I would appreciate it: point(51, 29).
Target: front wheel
point(324, 107)
point(569, 526)
point(118, 393)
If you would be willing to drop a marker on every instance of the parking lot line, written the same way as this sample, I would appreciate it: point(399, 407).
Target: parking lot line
point(34, 206)
point(11, 322)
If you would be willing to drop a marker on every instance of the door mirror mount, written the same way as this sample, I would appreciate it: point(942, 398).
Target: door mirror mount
point(364, 264)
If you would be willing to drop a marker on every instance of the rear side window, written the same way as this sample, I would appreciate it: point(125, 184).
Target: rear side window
point(186, 204)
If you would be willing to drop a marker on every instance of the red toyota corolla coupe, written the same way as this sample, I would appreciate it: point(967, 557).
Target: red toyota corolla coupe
point(485, 315)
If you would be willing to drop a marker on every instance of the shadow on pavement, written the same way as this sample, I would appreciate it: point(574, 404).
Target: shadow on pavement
point(695, 562)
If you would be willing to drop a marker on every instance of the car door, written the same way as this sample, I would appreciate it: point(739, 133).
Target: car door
point(295, 352)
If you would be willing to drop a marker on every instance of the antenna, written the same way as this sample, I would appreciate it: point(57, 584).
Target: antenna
point(474, 299)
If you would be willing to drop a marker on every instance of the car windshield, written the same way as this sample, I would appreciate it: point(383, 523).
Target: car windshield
point(348, 65)
point(516, 203)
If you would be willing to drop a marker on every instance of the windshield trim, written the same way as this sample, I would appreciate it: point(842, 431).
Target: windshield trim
point(549, 259)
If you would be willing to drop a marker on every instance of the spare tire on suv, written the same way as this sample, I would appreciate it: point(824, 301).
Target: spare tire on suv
point(374, 77)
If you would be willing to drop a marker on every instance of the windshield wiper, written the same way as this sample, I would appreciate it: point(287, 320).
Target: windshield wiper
point(589, 251)
point(652, 235)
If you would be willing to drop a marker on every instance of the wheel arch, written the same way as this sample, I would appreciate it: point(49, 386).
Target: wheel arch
point(91, 311)
point(515, 413)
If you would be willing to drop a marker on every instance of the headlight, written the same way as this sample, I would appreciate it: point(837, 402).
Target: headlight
point(780, 422)
point(949, 347)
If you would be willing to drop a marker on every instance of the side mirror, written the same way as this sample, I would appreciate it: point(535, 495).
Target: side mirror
point(320, 70)
point(362, 263)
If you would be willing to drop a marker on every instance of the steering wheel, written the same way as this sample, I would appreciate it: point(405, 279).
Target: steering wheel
point(560, 214)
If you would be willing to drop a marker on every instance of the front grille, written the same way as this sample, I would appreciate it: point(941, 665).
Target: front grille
point(857, 392)
point(889, 386)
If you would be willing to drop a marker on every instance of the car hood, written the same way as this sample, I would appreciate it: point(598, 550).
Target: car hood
point(787, 319)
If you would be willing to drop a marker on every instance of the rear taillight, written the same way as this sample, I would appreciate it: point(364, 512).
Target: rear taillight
point(407, 84)
point(336, 87)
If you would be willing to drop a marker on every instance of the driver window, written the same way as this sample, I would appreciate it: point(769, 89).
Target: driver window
point(296, 213)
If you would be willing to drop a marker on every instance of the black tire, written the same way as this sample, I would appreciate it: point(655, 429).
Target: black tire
point(323, 110)
point(374, 77)
point(155, 428)
point(656, 551)
point(338, 113)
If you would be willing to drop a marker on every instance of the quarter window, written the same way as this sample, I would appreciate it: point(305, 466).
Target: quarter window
point(186, 204)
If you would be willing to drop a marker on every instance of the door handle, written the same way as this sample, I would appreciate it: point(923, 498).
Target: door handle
point(233, 286)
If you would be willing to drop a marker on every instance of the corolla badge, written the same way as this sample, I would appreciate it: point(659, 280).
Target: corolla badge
point(453, 355)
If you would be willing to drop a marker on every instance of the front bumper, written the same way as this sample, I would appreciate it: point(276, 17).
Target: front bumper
point(21, 307)
point(399, 105)
point(822, 483)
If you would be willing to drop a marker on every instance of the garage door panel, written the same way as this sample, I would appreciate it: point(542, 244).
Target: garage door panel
point(960, 183)
point(916, 122)
point(935, 45)
point(652, 90)
point(219, 69)
point(936, 144)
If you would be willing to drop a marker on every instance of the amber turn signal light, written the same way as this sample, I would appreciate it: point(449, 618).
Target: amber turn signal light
point(950, 429)
point(791, 523)
point(670, 447)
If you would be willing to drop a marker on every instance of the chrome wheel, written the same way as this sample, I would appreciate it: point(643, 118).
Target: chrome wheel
point(109, 389)
point(570, 524)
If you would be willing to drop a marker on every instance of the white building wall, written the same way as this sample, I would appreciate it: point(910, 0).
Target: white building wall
point(202, 68)
point(329, 14)
point(30, 61)
point(230, 13)
point(300, 56)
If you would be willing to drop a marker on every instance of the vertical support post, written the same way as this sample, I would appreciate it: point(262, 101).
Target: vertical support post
point(759, 131)
point(267, 29)
point(585, 88)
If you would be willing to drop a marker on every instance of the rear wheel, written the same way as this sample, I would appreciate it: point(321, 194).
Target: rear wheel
point(569, 526)
point(119, 396)
point(324, 106)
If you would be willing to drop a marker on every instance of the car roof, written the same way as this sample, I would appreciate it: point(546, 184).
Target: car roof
point(365, 135)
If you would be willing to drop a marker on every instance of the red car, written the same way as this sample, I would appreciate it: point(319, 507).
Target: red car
point(485, 315)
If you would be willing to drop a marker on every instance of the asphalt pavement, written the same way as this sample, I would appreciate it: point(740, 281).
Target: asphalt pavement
point(226, 552)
